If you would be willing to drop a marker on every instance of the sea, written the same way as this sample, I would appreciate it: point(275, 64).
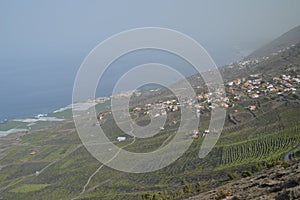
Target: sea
point(32, 86)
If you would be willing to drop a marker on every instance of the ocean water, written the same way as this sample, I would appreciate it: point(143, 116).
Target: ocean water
point(32, 87)
point(37, 86)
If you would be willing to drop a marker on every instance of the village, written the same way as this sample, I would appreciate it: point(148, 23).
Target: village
point(246, 88)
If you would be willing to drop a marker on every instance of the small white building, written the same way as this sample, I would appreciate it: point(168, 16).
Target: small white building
point(120, 139)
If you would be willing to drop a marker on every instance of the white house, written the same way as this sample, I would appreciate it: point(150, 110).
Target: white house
point(120, 139)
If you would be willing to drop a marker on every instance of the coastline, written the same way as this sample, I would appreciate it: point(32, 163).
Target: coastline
point(24, 125)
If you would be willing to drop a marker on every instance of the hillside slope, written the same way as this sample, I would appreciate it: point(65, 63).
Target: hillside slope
point(280, 183)
point(284, 41)
point(268, 67)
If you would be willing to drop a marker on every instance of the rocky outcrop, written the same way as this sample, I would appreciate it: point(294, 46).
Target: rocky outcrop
point(282, 182)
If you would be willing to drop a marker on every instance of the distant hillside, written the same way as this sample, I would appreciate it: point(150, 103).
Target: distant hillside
point(283, 53)
point(277, 65)
point(274, 65)
point(286, 40)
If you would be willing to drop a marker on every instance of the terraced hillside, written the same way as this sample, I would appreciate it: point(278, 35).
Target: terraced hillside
point(61, 168)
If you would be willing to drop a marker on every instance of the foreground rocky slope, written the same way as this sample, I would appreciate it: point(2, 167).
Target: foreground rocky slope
point(281, 182)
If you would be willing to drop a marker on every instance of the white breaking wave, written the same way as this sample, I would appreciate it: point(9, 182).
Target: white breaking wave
point(41, 119)
point(83, 106)
point(77, 107)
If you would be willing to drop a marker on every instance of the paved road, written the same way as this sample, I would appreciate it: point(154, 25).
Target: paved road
point(288, 156)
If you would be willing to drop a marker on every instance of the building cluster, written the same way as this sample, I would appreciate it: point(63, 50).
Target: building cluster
point(254, 86)
point(157, 109)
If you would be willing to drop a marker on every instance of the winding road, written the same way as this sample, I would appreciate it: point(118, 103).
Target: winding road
point(101, 166)
point(288, 156)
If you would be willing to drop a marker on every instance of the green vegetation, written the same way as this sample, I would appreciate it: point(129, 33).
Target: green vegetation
point(13, 124)
point(29, 188)
point(64, 166)
point(232, 175)
point(246, 173)
point(269, 147)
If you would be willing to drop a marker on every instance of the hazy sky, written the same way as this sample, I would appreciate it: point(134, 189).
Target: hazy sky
point(63, 28)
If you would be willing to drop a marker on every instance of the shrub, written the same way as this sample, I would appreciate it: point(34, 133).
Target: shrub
point(232, 175)
point(246, 173)
point(273, 164)
point(257, 168)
